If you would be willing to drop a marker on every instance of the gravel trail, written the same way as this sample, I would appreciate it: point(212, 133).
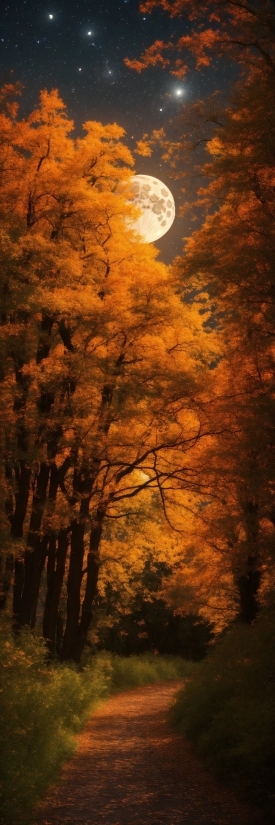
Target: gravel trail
point(131, 768)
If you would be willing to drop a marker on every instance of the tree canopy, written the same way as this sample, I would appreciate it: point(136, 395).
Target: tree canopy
point(102, 363)
point(240, 30)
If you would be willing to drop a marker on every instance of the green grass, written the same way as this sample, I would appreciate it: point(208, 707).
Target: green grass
point(42, 707)
point(146, 669)
point(228, 710)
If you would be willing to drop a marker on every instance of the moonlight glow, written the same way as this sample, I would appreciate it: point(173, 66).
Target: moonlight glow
point(157, 205)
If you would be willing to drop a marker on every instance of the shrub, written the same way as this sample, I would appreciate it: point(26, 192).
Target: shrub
point(41, 708)
point(228, 710)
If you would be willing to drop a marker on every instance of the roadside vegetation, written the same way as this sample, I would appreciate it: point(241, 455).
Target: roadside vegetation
point(43, 706)
point(227, 709)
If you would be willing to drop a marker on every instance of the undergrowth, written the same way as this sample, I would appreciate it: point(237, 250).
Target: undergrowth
point(147, 668)
point(228, 711)
point(43, 706)
point(41, 709)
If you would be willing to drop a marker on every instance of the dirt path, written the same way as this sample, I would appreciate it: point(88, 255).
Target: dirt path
point(132, 769)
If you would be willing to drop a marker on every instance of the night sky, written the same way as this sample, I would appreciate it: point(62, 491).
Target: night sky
point(79, 48)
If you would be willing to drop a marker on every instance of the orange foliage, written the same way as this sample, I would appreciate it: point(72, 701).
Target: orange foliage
point(102, 359)
point(241, 31)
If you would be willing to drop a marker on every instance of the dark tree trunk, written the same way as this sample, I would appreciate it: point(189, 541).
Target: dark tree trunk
point(48, 636)
point(91, 584)
point(6, 579)
point(52, 621)
point(59, 633)
point(34, 561)
point(69, 646)
point(249, 581)
point(16, 516)
point(21, 472)
point(43, 555)
point(44, 344)
point(248, 584)
point(82, 485)
point(19, 578)
point(55, 575)
point(34, 557)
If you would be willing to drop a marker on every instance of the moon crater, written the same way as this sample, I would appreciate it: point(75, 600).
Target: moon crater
point(157, 205)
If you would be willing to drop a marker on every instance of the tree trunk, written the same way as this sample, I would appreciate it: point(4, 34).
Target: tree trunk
point(23, 477)
point(55, 575)
point(248, 584)
point(59, 633)
point(16, 516)
point(8, 565)
point(43, 554)
point(19, 577)
point(249, 581)
point(33, 558)
point(69, 646)
point(82, 485)
point(34, 561)
point(91, 583)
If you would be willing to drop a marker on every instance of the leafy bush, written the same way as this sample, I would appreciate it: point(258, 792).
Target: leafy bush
point(228, 710)
point(41, 708)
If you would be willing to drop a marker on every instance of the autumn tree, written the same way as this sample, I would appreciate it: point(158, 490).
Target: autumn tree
point(130, 610)
point(229, 263)
point(148, 623)
point(227, 552)
point(102, 362)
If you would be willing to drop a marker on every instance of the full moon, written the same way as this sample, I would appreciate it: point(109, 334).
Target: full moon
point(157, 206)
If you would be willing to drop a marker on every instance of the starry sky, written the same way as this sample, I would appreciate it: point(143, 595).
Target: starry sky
point(79, 47)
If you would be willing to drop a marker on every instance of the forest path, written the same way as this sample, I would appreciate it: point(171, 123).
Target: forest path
point(131, 768)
